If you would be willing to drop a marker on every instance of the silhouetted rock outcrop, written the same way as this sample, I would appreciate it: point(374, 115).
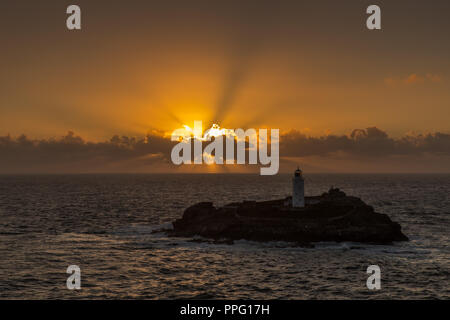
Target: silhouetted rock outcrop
point(333, 216)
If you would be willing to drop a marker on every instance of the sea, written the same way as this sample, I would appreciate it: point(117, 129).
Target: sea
point(107, 225)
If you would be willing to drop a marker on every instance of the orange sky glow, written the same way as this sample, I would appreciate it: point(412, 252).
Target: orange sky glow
point(143, 69)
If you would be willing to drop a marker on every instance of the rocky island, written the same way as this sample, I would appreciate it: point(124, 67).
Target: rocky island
point(332, 216)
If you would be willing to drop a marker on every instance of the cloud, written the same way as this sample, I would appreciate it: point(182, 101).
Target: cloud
point(72, 154)
point(370, 142)
point(433, 77)
point(412, 79)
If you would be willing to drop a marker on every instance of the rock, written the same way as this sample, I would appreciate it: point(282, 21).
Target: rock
point(333, 216)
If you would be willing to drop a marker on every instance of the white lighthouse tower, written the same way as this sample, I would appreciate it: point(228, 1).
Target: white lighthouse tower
point(298, 189)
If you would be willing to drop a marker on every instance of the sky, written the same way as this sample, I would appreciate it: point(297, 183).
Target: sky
point(144, 68)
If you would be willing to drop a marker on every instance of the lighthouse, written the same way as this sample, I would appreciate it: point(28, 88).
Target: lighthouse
point(298, 189)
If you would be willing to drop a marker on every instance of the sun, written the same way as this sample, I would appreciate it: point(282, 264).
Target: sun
point(213, 132)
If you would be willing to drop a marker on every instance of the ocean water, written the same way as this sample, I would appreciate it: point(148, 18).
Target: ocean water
point(105, 224)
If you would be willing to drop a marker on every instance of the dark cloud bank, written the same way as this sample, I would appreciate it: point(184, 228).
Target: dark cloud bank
point(371, 142)
point(73, 154)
